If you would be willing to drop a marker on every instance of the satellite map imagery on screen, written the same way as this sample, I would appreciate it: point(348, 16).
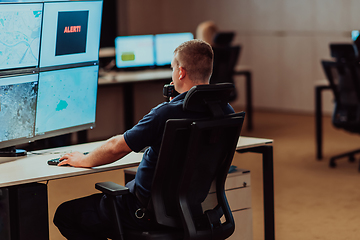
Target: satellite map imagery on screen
point(20, 30)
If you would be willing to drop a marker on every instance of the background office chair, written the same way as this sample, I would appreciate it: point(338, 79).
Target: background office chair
point(225, 59)
point(344, 80)
point(193, 154)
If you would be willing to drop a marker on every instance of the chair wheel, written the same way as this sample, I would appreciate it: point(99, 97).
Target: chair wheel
point(332, 163)
point(351, 158)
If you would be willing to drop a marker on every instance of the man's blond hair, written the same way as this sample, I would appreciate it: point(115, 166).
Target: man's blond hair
point(196, 56)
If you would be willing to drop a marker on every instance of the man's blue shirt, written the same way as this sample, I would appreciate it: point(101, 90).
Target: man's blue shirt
point(149, 132)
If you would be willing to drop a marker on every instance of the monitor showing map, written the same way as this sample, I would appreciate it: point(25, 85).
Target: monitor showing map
point(49, 53)
point(17, 107)
point(72, 32)
point(66, 98)
point(20, 29)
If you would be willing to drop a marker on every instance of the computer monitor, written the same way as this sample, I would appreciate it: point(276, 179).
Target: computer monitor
point(66, 99)
point(17, 108)
point(356, 39)
point(20, 29)
point(48, 87)
point(72, 33)
point(165, 45)
point(134, 51)
point(355, 35)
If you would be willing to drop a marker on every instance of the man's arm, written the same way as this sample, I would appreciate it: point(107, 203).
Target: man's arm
point(112, 150)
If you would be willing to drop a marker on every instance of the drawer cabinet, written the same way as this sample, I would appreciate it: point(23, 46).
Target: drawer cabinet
point(238, 194)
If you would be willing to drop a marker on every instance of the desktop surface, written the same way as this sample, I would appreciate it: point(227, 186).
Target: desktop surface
point(34, 166)
point(246, 142)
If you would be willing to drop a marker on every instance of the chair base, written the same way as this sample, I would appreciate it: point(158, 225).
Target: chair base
point(153, 235)
point(350, 155)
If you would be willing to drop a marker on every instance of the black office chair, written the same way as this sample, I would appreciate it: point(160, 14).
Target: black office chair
point(344, 80)
point(193, 154)
point(225, 59)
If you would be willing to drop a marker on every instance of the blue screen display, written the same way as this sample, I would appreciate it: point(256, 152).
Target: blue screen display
point(66, 98)
point(17, 106)
point(20, 29)
point(49, 53)
point(355, 34)
point(148, 50)
point(165, 45)
point(134, 51)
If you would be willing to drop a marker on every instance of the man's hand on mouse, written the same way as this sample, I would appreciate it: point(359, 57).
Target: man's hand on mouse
point(74, 159)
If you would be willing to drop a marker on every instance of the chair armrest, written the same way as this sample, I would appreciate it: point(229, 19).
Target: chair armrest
point(111, 188)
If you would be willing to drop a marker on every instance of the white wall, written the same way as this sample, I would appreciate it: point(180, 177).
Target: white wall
point(283, 40)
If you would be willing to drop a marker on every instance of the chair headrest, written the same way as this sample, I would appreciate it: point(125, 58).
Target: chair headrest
point(223, 38)
point(343, 52)
point(208, 98)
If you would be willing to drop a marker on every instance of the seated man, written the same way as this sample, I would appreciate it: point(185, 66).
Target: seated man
point(89, 217)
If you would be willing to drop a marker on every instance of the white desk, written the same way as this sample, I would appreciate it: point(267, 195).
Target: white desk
point(34, 168)
point(250, 142)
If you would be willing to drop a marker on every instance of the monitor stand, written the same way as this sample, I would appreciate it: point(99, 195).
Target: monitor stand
point(12, 152)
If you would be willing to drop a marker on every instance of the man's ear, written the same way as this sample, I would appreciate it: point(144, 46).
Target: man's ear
point(182, 73)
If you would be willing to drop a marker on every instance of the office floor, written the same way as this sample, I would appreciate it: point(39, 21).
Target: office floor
point(312, 201)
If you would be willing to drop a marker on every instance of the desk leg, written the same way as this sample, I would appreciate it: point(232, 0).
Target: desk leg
point(268, 188)
point(128, 98)
point(249, 109)
point(268, 183)
point(318, 119)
